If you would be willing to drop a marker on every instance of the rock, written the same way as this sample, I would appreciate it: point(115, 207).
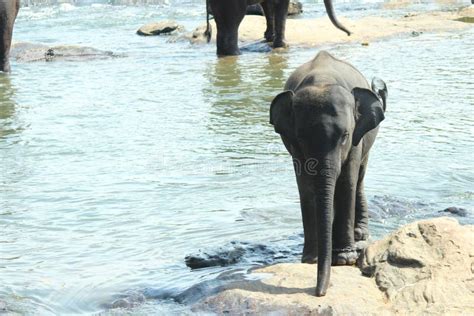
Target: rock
point(163, 27)
point(459, 211)
point(288, 289)
point(243, 252)
point(415, 33)
point(199, 35)
point(295, 8)
point(426, 266)
point(423, 268)
point(31, 52)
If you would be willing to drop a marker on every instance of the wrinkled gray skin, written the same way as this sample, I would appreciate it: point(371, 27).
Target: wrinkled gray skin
point(328, 118)
point(8, 12)
point(229, 13)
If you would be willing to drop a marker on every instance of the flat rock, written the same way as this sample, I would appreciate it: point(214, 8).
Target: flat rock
point(162, 27)
point(425, 267)
point(31, 52)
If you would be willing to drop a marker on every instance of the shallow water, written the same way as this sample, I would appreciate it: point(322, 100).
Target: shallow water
point(113, 170)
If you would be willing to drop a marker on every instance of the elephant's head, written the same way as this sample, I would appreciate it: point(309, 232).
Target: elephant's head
point(322, 124)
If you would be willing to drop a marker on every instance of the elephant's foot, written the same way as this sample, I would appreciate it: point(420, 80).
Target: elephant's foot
point(310, 256)
point(344, 257)
point(361, 233)
point(268, 37)
point(279, 43)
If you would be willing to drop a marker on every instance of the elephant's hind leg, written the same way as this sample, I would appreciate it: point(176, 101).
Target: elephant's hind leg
point(361, 229)
point(269, 11)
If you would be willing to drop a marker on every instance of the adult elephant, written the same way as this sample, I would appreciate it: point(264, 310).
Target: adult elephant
point(328, 118)
point(8, 12)
point(229, 13)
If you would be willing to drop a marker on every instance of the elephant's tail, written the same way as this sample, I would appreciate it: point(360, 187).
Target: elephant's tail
point(332, 16)
point(208, 32)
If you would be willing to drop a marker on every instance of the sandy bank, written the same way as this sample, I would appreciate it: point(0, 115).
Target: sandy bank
point(312, 32)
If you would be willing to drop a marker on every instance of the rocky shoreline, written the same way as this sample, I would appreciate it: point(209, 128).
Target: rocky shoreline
point(424, 267)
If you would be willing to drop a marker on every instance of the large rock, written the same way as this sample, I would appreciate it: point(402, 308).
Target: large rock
point(423, 268)
point(163, 27)
point(31, 52)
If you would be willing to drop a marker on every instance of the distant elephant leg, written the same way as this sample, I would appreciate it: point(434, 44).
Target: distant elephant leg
point(228, 14)
point(281, 12)
point(8, 12)
point(344, 252)
point(361, 230)
point(269, 11)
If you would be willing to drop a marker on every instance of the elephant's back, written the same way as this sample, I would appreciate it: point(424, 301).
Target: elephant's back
point(326, 69)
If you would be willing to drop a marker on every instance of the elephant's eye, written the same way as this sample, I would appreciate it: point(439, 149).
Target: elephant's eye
point(345, 137)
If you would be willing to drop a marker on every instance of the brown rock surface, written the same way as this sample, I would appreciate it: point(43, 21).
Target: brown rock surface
point(163, 27)
point(423, 268)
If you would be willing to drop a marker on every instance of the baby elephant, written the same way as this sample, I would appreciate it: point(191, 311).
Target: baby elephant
point(328, 118)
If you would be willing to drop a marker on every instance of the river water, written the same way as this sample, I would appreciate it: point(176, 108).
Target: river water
point(113, 170)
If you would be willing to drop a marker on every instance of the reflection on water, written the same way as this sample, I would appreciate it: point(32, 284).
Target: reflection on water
point(7, 107)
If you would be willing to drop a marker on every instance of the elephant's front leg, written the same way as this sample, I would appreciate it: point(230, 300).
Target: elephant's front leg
point(281, 12)
point(8, 12)
point(269, 10)
point(361, 230)
point(307, 194)
point(344, 252)
point(228, 14)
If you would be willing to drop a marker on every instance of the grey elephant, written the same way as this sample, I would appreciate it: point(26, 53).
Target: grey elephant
point(8, 12)
point(229, 13)
point(328, 117)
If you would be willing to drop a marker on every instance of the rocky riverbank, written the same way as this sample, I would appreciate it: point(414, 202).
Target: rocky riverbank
point(424, 267)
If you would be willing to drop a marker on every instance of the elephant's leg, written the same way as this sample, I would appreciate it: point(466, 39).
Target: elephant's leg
point(344, 252)
point(361, 230)
point(228, 15)
point(269, 11)
point(8, 12)
point(307, 194)
point(281, 12)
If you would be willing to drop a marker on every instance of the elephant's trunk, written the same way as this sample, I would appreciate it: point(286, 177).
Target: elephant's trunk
point(332, 16)
point(324, 215)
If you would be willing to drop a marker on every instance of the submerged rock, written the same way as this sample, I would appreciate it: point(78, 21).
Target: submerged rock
point(242, 252)
point(163, 27)
point(423, 268)
point(459, 211)
point(30, 52)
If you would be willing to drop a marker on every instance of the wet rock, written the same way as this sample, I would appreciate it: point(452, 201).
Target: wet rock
point(423, 268)
point(415, 33)
point(295, 8)
point(199, 35)
point(31, 52)
point(456, 211)
point(242, 252)
point(163, 27)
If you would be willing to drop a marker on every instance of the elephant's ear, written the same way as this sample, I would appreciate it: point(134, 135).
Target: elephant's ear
point(281, 114)
point(370, 108)
point(380, 88)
